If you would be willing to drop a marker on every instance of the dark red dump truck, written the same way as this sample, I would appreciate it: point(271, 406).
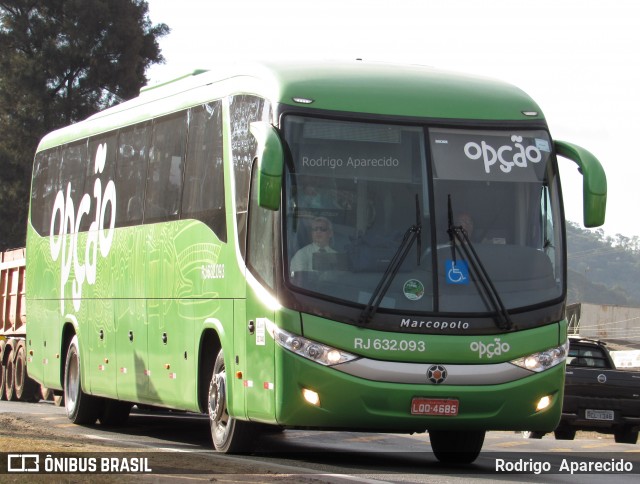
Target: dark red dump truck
point(15, 384)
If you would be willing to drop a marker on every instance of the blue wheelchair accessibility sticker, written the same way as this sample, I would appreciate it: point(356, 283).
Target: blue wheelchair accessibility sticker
point(457, 272)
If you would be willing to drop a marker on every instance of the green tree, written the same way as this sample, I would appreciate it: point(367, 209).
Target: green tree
point(61, 61)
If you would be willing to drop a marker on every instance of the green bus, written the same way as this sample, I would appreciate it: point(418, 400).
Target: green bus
point(351, 246)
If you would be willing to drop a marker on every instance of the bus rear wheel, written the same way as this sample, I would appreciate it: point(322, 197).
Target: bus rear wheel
point(81, 408)
point(228, 434)
point(114, 413)
point(456, 447)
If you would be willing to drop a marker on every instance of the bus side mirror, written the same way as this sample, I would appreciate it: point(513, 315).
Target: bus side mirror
point(270, 165)
point(594, 182)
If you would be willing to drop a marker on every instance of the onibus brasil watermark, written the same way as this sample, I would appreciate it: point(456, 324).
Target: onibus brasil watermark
point(58, 464)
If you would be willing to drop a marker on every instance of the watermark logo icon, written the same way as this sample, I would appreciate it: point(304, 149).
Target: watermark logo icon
point(23, 463)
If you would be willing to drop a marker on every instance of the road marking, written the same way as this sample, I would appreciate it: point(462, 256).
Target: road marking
point(367, 438)
point(595, 446)
point(512, 444)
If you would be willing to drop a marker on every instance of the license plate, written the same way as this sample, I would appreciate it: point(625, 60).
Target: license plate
point(598, 414)
point(434, 406)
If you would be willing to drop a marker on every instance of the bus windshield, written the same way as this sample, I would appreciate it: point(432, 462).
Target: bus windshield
point(354, 189)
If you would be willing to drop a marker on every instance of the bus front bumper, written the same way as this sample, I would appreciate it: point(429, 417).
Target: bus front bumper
point(310, 395)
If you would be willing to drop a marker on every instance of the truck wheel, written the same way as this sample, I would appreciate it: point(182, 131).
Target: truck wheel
point(46, 394)
point(26, 389)
point(81, 407)
point(9, 375)
point(228, 434)
point(530, 434)
point(2, 368)
point(58, 400)
point(626, 436)
point(456, 447)
point(564, 434)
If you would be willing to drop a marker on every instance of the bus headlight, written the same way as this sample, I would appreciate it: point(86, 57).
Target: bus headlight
point(544, 359)
point(312, 350)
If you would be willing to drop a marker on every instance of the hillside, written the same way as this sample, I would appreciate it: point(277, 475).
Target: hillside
point(602, 269)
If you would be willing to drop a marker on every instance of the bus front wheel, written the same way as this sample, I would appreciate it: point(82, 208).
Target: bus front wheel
point(456, 447)
point(229, 435)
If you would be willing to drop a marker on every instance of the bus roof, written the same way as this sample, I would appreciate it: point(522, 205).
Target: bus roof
point(359, 87)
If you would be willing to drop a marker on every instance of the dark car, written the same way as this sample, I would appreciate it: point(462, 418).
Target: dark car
point(597, 396)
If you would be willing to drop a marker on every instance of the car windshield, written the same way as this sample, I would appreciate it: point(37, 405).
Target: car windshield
point(355, 189)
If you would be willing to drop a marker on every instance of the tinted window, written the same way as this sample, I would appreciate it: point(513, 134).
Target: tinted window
point(131, 170)
point(203, 197)
point(72, 175)
point(244, 110)
point(164, 176)
point(261, 239)
point(100, 171)
point(41, 194)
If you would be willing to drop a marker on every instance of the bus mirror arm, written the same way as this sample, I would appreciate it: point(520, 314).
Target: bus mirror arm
point(270, 155)
point(594, 182)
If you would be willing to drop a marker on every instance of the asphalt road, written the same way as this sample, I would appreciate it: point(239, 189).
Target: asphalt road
point(180, 444)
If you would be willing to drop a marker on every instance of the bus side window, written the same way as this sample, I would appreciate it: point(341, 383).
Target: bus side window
point(93, 173)
point(73, 168)
point(260, 250)
point(166, 161)
point(203, 195)
point(131, 172)
point(243, 110)
point(44, 191)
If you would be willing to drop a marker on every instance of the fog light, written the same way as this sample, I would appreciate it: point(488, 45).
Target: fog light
point(543, 403)
point(310, 396)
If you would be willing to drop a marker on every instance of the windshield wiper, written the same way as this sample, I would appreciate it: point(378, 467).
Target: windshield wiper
point(503, 318)
point(412, 233)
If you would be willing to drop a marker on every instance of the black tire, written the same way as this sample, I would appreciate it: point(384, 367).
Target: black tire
point(58, 400)
point(9, 375)
point(564, 434)
point(626, 436)
point(2, 375)
point(115, 413)
point(531, 434)
point(456, 447)
point(81, 407)
point(46, 394)
point(26, 389)
point(229, 435)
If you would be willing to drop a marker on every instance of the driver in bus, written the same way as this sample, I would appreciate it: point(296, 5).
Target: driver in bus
point(465, 221)
point(321, 235)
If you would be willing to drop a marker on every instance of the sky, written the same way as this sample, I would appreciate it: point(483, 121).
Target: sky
point(578, 59)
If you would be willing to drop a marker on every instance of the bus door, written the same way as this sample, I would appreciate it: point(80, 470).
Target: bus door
point(259, 369)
